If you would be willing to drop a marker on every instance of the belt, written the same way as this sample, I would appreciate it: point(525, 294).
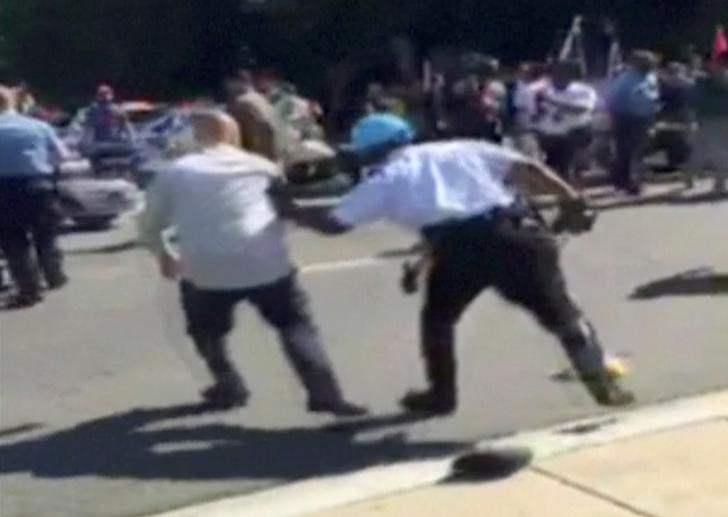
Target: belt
point(516, 212)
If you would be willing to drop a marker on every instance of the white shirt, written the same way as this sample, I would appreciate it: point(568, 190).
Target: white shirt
point(432, 183)
point(553, 120)
point(229, 233)
point(524, 100)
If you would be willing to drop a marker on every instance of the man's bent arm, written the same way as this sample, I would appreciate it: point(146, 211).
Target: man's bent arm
point(536, 178)
point(316, 218)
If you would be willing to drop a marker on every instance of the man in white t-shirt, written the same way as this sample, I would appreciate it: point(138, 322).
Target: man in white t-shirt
point(565, 114)
point(531, 82)
point(232, 248)
point(460, 195)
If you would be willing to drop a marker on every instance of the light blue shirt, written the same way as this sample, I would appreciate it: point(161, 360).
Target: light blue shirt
point(634, 94)
point(431, 183)
point(28, 147)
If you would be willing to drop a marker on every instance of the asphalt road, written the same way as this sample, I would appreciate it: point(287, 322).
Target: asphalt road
point(96, 382)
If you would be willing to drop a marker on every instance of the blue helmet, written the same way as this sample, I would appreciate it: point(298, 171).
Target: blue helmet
point(380, 129)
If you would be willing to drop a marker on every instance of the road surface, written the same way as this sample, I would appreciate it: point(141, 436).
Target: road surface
point(96, 382)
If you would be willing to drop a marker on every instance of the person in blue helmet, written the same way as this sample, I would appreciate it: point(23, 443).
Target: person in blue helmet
point(460, 196)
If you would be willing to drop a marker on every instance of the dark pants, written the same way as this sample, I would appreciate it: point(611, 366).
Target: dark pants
point(631, 137)
point(521, 261)
point(284, 306)
point(28, 230)
point(562, 150)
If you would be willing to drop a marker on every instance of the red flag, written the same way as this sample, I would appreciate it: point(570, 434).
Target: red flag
point(720, 47)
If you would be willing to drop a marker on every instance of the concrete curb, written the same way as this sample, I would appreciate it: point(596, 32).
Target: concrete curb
point(321, 494)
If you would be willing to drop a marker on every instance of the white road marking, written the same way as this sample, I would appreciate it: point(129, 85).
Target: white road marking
point(322, 267)
point(326, 493)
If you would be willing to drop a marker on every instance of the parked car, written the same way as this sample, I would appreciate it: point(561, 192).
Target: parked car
point(89, 202)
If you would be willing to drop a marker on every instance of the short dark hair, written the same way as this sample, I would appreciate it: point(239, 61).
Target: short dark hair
point(569, 69)
point(644, 60)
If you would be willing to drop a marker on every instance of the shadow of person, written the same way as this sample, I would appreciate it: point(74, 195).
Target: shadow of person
point(690, 283)
point(139, 444)
point(109, 249)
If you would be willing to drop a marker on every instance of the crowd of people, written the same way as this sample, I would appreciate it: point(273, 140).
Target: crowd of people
point(452, 181)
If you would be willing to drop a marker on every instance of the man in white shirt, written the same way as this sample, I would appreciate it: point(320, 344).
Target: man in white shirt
point(565, 113)
point(460, 196)
point(531, 82)
point(232, 248)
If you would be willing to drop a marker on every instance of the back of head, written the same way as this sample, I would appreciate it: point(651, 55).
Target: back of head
point(644, 61)
point(214, 127)
point(239, 82)
point(7, 98)
point(565, 72)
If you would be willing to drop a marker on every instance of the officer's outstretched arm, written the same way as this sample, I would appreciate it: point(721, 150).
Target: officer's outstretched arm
point(536, 178)
point(316, 218)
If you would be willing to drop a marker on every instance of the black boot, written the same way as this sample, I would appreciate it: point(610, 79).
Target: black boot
point(441, 398)
point(340, 408)
point(429, 402)
point(606, 391)
point(587, 356)
point(226, 394)
point(23, 301)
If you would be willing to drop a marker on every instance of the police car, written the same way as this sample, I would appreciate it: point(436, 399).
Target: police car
point(88, 202)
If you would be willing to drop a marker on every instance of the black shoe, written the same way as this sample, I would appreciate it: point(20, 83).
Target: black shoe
point(410, 282)
point(428, 402)
point(340, 408)
point(222, 398)
point(56, 282)
point(23, 301)
point(606, 392)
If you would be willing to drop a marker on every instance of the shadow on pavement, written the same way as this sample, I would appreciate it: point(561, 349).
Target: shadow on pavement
point(673, 197)
point(489, 465)
point(19, 429)
point(690, 283)
point(124, 446)
point(105, 250)
point(415, 249)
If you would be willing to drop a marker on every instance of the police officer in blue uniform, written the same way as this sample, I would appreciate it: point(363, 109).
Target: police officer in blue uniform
point(29, 154)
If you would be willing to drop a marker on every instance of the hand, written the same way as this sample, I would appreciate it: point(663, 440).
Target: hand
point(574, 217)
point(169, 266)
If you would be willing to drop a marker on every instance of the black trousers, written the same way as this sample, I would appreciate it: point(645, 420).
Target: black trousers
point(284, 306)
point(519, 260)
point(29, 218)
point(631, 138)
point(561, 150)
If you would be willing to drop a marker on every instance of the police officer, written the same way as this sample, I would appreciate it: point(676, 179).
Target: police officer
point(460, 195)
point(29, 153)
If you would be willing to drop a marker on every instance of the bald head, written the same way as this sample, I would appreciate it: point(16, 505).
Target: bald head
point(212, 127)
point(7, 98)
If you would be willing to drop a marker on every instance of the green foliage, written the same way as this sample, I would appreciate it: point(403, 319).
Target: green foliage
point(171, 48)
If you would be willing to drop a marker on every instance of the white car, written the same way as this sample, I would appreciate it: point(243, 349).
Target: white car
point(93, 203)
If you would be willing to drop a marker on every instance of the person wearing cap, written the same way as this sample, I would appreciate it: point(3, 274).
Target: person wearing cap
point(461, 197)
point(232, 248)
point(30, 151)
point(106, 128)
point(633, 101)
point(565, 109)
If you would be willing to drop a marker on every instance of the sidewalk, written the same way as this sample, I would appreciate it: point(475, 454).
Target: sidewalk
point(681, 472)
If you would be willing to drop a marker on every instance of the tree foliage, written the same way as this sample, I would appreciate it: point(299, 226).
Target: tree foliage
point(163, 48)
